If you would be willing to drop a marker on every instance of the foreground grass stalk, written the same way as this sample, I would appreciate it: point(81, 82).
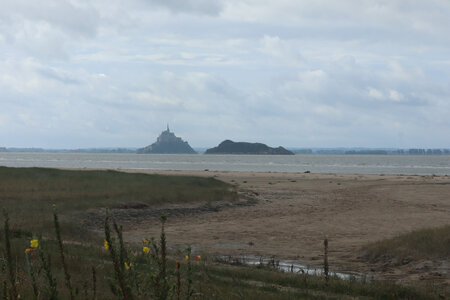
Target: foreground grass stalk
point(5, 290)
point(178, 281)
point(85, 290)
point(163, 269)
point(125, 262)
point(155, 275)
point(9, 260)
point(118, 269)
point(4, 282)
point(189, 291)
point(123, 258)
point(30, 270)
point(325, 262)
point(61, 252)
point(46, 265)
point(94, 284)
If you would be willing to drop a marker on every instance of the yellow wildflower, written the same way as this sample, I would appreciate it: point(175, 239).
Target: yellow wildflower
point(28, 250)
point(198, 258)
point(186, 258)
point(146, 250)
point(34, 243)
point(106, 245)
point(127, 265)
point(145, 242)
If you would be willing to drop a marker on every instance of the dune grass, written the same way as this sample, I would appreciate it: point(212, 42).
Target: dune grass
point(429, 243)
point(252, 281)
point(209, 280)
point(28, 194)
point(76, 190)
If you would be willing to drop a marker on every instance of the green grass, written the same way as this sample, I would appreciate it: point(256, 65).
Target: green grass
point(309, 286)
point(28, 194)
point(79, 258)
point(430, 243)
point(77, 190)
point(211, 280)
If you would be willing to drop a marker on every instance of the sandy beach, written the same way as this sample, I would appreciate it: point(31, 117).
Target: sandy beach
point(294, 212)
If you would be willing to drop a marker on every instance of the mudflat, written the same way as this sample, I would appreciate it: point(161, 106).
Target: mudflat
point(294, 212)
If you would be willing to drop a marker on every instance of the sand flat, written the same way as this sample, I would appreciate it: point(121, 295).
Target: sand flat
point(296, 211)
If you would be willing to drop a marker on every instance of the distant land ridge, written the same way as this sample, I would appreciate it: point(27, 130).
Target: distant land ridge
point(230, 147)
point(168, 143)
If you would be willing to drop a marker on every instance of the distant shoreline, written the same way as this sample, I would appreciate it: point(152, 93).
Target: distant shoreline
point(426, 165)
point(296, 151)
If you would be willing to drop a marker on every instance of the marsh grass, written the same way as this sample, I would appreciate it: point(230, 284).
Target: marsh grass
point(288, 285)
point(29, 193)
point(325, 261)
point(197, 280)
point(430, 243)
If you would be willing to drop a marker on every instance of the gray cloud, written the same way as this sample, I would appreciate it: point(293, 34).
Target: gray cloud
point(206, 7)
point(78, 20)
point(61, 77)
point(43, 29)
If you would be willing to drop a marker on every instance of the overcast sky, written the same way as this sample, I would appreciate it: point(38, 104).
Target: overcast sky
point(113, 73)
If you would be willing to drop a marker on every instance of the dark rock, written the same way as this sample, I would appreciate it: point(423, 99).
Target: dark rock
point(362, 254)
point(423, 265)
point(406, 260)
point(136, 205)
point(230, 147)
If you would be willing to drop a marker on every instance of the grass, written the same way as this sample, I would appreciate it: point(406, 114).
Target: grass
point(29, 193)
point(77, 190)
point(430, 244)
point(210, 280)
point(312, 286)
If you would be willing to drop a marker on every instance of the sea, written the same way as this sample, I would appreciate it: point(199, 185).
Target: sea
point(321, 163)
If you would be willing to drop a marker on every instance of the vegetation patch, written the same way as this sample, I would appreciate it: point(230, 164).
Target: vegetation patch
point(423, 244)
point(50, 268)
point(28, 194)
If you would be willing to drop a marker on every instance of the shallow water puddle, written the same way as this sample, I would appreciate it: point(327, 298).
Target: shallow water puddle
point(284, 265)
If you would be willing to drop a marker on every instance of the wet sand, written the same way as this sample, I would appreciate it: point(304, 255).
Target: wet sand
point(296, 211)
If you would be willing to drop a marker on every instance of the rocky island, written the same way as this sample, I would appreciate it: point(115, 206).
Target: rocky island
point(230, 147)
point(168, 143)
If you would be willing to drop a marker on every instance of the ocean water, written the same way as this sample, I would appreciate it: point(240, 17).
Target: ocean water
point(354, 164)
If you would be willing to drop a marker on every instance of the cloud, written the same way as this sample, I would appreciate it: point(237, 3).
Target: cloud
point(77, 19)
point(374, 93)
point(391, 95)
point(44, 28)
point(202, 7)
point(284, 51)
point(57, 75)
point(395, 96)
